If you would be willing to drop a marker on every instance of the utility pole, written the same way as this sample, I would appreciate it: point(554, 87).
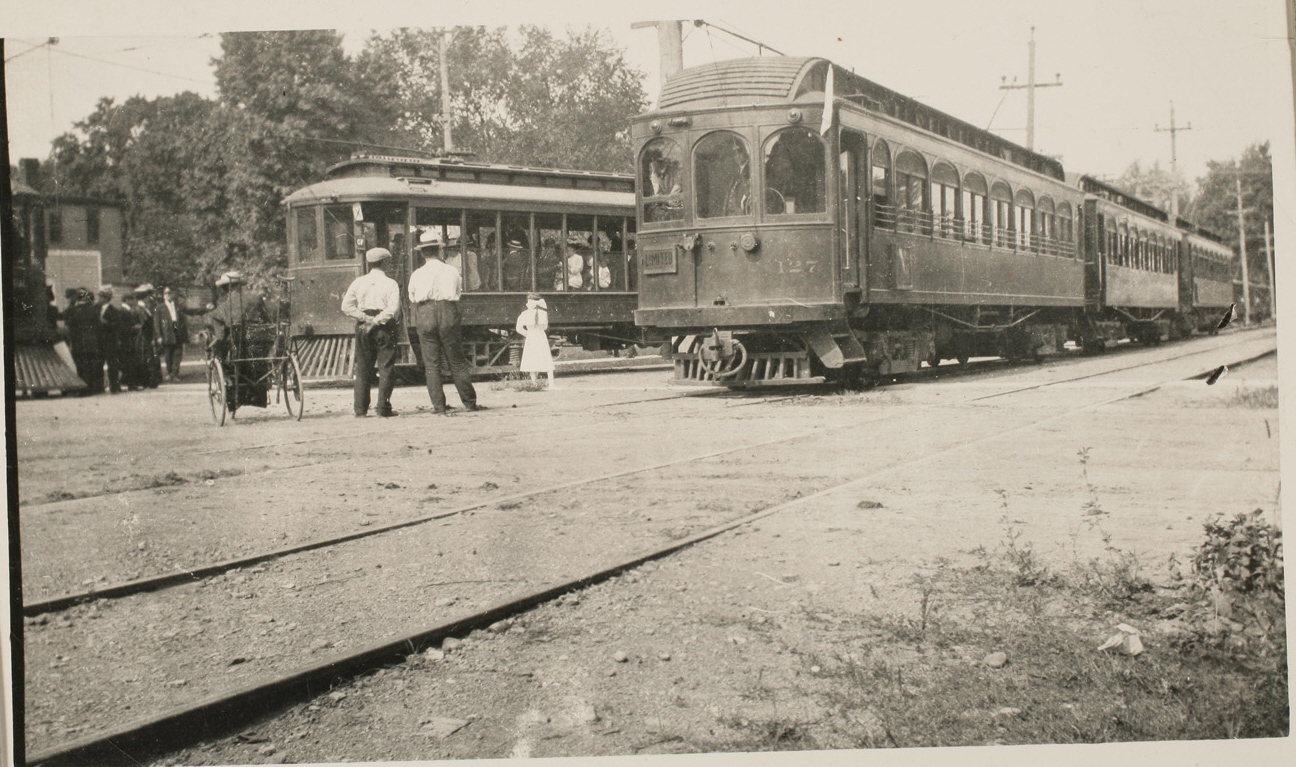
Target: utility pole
point(1030, 87)
point(1273, 294)
point(1246, 278)
point(446, 36)
point(1174, 161)
point(670, 44)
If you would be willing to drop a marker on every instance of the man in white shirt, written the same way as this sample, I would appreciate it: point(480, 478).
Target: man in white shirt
point(373, 301)
point(434, 290)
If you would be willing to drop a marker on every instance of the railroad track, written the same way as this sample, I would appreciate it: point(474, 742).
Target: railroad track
point(217, 714)
point(191, 573)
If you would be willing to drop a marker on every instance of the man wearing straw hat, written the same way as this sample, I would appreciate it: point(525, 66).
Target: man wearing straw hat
point(372, 301)
point(434, 293)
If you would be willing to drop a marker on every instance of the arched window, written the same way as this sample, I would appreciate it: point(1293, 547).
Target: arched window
point(1123, 252)
point(661, 179)
point(794, 173)
point(911, 193)
point(1025, 201)
point(945, 198)
point(1000, 214)
point(1044, 224)
point(974, 208)
point(722, 176)
point(1065, 229)
point(883, 210)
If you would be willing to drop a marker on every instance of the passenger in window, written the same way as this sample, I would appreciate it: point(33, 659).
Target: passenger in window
point(517, 258)
point(467, 266)
point(575, 264)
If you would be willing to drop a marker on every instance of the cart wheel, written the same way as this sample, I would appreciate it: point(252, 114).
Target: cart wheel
point(216, 390)
point(290, 387)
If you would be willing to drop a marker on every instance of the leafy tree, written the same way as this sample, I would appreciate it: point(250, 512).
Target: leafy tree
point(203, 180)
point(1216, 206)
point(1156, 185)
point(531, 99)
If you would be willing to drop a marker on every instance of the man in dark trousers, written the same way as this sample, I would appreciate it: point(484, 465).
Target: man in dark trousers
point(82, 320)
point(170, 331)
point(434, 292)
point(149, 362)
point(109, 318)
point(372, 300)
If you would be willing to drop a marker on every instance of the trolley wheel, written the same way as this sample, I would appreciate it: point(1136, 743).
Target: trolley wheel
point(216, 390)
point(962, 359)
point(290, 387)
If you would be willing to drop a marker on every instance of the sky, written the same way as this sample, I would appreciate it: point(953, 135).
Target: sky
point(1225, 66)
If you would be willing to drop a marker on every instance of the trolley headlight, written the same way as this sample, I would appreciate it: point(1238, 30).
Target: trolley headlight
point(748, 241)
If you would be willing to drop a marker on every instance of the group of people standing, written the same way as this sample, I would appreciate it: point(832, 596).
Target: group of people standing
point(434, 290)
point(123, 346)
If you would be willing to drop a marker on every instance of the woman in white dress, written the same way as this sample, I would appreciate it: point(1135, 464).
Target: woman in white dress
point(532, 324)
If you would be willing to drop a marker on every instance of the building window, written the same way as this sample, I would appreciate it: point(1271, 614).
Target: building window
point(55, 227)
point(92, 226)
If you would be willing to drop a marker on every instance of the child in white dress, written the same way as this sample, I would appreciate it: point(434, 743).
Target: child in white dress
point(532, 324)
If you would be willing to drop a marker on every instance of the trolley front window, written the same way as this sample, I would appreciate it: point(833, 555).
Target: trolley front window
point(308, 248)
point(339, 239)
point(794, 173)
point(722, 176)
point(660, 181)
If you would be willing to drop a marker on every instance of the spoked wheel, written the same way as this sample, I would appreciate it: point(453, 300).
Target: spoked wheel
point(290, 387)
point(216, 390)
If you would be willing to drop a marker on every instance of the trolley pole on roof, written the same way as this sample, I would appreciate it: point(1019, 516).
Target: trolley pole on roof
point(1174, 160)
point(1030, 87)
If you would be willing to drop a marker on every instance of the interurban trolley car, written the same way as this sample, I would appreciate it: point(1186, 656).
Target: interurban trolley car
point(780, 245)
point(569, 235)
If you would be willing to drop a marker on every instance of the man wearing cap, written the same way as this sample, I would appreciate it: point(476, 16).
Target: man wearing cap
point(434, 293)
point(372, 301)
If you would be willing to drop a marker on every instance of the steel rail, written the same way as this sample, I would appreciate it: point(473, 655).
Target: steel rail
point(218, 714)
point(192, 574)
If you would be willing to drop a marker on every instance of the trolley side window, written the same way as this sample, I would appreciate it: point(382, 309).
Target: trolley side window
point(913, 207)
point(481, 242)
point(883, 212)
point(549, 257)
point(578, 253)
point(661, 181)
point(443, 222)
point(339, 238)
point(1065, 230)
point(612, 261)
point(974, 205)
point(945, 199)
point(1000, 214)
point(516, 253)
point(795, 173)
point(307, 229)
point(722, 176)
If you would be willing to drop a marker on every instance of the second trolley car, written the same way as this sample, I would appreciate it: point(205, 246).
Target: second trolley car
point(569, 235)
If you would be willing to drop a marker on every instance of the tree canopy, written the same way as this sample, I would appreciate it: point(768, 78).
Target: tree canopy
point(202, 180)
